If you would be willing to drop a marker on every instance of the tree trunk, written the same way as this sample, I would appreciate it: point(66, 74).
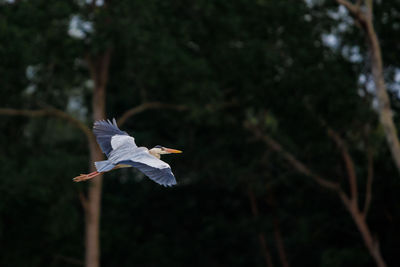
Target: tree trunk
point(277, 229)
point(385, 111)
point(92, 213)
point(279, 242)
point(261, 236)
point(365, 18)
point(99, 73)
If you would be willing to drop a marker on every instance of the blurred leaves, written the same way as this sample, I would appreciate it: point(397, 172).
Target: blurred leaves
point(227, 62)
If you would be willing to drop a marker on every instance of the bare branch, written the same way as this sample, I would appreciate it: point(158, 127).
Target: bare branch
point(351, 172)
point(146, 106)
point(351, 7)
point(261, 236)
point(23, 112)
point(297, 164)
point(347, 202)
point(357, 216)
point(362, 226)
point(370, 7)
point(354, 10)
point(159, 105)
point(50, 112)
point(350, 167)
point(271, 202)
point(253, 202)
point(73, 121)
point(384, 109)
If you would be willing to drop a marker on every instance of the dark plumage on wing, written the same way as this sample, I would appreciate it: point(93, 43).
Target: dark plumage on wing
point(104, 131)
point(140, 158)
point(163, 176)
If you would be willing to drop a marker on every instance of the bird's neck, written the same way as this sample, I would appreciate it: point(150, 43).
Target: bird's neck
point(157, 155)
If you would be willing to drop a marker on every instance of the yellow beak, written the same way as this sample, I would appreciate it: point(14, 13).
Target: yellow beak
point(170, 150)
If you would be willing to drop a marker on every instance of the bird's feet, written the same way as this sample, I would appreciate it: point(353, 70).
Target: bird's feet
point(84, 177)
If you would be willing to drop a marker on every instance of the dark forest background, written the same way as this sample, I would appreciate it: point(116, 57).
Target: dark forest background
point(272, 102)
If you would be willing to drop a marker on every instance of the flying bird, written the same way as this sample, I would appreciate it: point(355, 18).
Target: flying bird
point(122, 152)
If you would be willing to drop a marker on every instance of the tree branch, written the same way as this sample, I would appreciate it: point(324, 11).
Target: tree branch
point(146, 106)
point(23, 112)
point(50, 112)
point(297, 164)
point(356, 214)
point(351, 7)
point(351, 172)
point(159, 105)
point(370, 6)
point(384, 109)
point(350, 167)
point(354, 10)
point(261, 236)
point(271, 202)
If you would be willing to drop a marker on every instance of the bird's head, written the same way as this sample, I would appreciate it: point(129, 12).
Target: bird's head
point(160, 150)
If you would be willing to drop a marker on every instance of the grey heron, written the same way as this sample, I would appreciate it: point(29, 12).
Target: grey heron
point(122, 152)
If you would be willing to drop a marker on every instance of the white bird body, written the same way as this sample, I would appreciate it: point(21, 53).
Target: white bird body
point(122, 152)
point(119, 140)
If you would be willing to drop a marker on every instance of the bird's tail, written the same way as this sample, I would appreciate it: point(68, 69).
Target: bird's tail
point(104, 166)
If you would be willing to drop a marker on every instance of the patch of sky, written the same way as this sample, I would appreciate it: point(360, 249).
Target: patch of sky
point(352, 53)
point(333, 40)
point(341, 13)
point(89, 84)
point(307, 17)
point(370, 86)
point(330, 40)
point(30, 89)
point(90, 2)
point(312, 3)
point(76, 106)
point(7, 1)
point(79, 28)
point(362, 79)
point(31, 72)
point(367, 85)
point(395, 85)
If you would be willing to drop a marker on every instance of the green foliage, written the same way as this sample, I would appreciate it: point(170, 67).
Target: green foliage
point(228, 62)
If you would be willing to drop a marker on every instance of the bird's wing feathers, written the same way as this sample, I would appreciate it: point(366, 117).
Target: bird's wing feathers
point(109, 136)
point(154, 168)
point(120, 148)
point(122, 140)
point(163, 176)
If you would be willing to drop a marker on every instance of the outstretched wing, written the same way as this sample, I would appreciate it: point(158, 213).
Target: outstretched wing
point(154, 168)
point(109, 136)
